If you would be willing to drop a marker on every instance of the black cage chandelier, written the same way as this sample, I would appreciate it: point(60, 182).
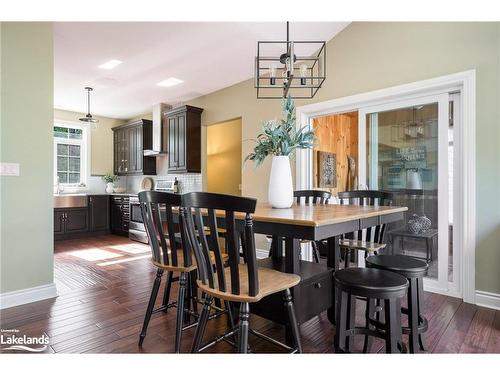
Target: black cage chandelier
point(278, 75)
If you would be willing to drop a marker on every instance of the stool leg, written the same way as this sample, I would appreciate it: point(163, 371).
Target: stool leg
point(229, 312)
point(243, 328)
point(194, 292)
point(151, 305)
point(168, 287)
point(370, 313)
point(341, 319)
point(347, 255)
point(202, 323)
point(292, 319)
point(412, 298)
point(351, 317)
point(315, 251)
point(188, 298)
point(420, 289)
point(393, 325)
point(180, 310)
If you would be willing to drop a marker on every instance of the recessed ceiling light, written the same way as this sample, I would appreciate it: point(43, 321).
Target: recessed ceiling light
point(169, 82)
point(111, 64)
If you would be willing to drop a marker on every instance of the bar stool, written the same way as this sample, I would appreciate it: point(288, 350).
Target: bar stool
point(414, 270)
point(362, 240)
point(241, 282)
point(370, 283)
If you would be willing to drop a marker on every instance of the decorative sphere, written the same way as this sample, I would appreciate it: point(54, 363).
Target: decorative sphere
point(425, 222)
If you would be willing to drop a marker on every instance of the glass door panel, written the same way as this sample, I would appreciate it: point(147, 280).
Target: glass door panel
point(406, 153)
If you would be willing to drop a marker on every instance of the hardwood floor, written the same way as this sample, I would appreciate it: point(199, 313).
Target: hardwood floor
point(104, 285)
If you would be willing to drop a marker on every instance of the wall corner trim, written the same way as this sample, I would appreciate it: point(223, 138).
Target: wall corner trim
point(487, 299)
point(24, 296)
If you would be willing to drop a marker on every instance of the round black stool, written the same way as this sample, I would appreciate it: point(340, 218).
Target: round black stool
point(414, 270)
point(387, 287)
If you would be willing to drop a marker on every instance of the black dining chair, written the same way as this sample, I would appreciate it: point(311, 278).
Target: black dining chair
point(243, 281)
point(169, 254)
point(371, 240)
point(310, 197)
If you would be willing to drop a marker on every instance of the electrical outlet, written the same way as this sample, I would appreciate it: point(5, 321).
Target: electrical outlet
point(9, 169)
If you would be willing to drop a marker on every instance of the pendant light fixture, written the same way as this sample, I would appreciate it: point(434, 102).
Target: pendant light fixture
point(88, 117)
point(289, 68)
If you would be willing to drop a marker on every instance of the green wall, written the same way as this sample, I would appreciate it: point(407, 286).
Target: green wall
point(368, 56)
point(25, 130)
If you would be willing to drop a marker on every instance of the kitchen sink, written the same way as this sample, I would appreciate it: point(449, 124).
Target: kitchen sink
point(70, 200)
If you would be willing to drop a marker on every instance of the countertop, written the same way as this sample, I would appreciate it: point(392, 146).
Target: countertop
point(89, 194)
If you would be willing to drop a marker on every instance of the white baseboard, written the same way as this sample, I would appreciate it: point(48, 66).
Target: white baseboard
point(487, 299)
point(23, 296)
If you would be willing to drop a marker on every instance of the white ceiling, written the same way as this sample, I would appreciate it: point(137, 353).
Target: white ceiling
point(207, 56)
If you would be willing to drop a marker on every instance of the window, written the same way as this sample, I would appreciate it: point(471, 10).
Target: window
point(70, 154)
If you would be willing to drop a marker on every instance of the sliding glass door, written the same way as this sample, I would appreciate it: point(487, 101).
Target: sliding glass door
point(406, 146)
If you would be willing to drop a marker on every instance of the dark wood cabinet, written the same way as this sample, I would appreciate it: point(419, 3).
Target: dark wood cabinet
point(58, 221)
point(68, 221)
point(183, 126)
point(120, 214)
point(83, 221)
point(99, 213)
point(129, 142)
point(77, 220)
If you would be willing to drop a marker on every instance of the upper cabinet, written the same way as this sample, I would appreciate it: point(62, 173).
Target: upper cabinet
point(183, 138)
point(129, 142)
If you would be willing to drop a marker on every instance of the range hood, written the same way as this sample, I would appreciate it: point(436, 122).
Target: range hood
point(158, 110)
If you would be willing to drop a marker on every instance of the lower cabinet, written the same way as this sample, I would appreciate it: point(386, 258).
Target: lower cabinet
point(82, 221)
point(120, 215)
point(69, 221)
point(99, 213)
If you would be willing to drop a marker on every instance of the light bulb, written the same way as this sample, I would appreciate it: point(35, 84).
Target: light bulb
point(303, 74)
point(272, 74)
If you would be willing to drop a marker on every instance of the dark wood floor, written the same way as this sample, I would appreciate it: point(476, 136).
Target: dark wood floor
point(104, 284)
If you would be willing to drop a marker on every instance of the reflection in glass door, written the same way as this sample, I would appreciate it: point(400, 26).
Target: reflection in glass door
point(407, 152)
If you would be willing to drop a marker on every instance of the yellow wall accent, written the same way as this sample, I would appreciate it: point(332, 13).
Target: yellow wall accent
point(224, 157)
point(101, 139)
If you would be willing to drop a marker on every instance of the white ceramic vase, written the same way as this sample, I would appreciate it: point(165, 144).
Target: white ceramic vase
point(110, 187)
point(415, 180)
point(280, 193)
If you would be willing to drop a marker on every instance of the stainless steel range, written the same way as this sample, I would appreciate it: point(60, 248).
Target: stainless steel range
point(137, 230)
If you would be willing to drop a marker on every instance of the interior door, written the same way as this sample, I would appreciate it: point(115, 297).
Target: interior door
point(405, 146)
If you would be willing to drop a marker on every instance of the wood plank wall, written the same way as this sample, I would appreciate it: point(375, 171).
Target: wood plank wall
point(337, 134)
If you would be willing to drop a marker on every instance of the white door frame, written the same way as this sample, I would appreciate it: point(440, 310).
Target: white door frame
point(441, 284)
point(463, 82)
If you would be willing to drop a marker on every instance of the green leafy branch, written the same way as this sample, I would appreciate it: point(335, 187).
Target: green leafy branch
point(281, 138)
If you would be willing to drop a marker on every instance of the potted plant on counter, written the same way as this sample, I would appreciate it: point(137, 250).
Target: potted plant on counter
point(110, 179)
point(280, 138)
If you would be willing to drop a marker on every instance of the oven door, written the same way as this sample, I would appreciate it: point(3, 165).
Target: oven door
point(137, 230)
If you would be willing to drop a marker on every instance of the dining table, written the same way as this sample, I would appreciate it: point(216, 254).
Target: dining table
point(289, 228)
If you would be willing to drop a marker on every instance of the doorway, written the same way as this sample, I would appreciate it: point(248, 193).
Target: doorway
point(417, 140)
point(335, 145)
point(224, 157)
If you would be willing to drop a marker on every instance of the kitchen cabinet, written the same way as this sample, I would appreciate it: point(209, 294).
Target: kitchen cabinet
point(129, 142)
point(183, 126)
point(99, 213)
point(120, 214)
point(76, 222)
point(69, 221)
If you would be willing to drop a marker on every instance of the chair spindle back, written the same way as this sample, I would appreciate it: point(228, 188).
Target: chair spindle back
point(204, 213)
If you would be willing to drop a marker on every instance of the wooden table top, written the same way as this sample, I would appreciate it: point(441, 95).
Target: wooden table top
point(320, 214)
